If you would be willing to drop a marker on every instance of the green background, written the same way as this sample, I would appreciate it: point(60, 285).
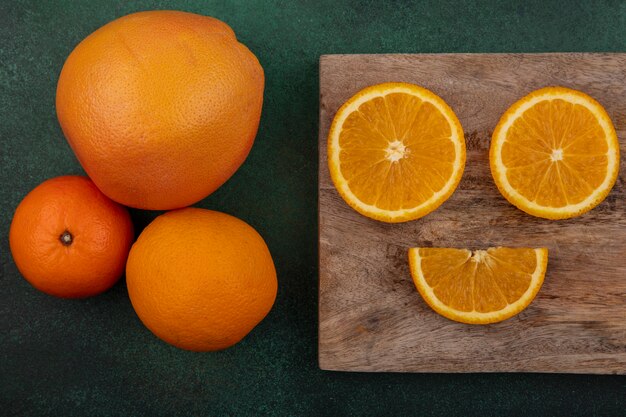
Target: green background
point(94, 357)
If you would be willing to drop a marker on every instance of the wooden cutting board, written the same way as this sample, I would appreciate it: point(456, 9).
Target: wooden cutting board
point(371, 316)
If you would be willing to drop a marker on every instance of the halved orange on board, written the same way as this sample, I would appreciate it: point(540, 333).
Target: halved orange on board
point(555, 154)
point(479, 287)
point(396, 152)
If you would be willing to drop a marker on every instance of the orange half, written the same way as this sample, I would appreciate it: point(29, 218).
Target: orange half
point(396, 152)
point(479, 287)
point(555, 153)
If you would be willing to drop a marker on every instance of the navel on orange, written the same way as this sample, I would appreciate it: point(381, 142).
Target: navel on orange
point(480, 287)
point(396, 152)
point(555, 153)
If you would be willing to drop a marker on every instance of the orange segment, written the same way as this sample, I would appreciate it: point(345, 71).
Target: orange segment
point(395, 151)
point(555, 153)
point(480, 287)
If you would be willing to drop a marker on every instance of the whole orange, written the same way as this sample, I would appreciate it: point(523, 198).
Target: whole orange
point(199, 279)
point(70, 240)
point(160, 107)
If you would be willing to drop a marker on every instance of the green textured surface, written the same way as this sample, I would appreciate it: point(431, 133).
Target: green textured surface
point(93, 357)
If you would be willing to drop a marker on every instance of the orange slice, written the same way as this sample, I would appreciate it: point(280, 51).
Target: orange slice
point(554, 153)
point(480, 287)
point(396, 152)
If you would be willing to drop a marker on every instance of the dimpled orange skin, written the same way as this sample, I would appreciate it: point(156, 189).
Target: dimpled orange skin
point(160, 107)
point(100, 231)
point(200, 280)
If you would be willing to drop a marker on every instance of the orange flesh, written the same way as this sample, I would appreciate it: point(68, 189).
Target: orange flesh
point(485, 282)
point(555, 153)
point(396, 151)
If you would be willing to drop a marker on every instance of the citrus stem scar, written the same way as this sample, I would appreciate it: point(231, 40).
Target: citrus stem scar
point(66, 238)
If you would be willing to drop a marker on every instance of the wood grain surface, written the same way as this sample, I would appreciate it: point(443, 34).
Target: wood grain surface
point(371, 318)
